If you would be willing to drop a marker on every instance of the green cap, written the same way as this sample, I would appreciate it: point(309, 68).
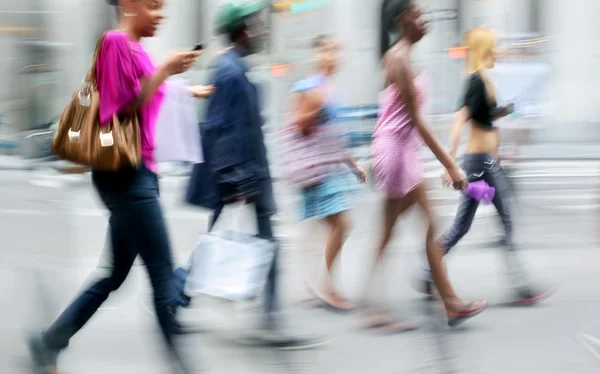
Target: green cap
point(233, 12)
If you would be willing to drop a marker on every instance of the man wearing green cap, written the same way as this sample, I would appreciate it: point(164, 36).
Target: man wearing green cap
point(236, 166)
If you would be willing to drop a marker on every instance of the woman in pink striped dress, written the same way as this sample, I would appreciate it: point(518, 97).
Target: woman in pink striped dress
point(399, 134)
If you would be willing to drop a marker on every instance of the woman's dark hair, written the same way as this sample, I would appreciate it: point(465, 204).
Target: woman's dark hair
point(390, 10)
point(115, 3)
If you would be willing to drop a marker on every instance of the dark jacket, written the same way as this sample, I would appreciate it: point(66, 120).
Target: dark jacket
point(232, 140)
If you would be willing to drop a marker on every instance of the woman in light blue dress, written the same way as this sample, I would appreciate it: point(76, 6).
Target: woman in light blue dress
point(315, 106)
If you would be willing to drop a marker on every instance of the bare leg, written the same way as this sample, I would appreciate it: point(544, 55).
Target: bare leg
point(454, 306)
point(392, 208)
point(383, 320)
point(339, 228)
point(314, 262)
point(338, 224)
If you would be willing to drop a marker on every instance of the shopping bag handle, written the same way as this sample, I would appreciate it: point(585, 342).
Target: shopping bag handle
point(235, 212)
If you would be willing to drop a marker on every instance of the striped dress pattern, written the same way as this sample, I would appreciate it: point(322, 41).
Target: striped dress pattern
point(309, 159)
point(397, 165)
point(316, 163)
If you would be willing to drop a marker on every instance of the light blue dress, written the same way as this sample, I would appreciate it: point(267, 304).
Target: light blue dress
point(328, 198)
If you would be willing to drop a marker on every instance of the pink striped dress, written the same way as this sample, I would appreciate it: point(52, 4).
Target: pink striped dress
point(396, 142)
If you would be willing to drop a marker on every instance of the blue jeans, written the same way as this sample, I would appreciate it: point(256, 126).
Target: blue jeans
point(481, 166)
point(136, 228)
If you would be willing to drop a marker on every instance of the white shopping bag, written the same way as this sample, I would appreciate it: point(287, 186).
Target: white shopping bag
point(230, 265)
point(177, 135)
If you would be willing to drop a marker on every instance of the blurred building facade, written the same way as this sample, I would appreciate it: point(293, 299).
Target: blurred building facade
point(49, 64)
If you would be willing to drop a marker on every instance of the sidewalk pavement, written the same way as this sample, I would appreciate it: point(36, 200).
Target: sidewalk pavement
point(10, 162)
point(122, 337)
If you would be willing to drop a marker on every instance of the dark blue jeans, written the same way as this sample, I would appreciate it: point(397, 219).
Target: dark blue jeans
point(136, 228)
point(264, 206)
point(481, 166)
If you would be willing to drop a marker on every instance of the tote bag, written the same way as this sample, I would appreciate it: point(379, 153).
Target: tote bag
point(80, 138)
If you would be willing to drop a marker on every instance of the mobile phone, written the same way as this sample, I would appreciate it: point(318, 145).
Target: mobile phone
point(198, 47)
point(510, 108)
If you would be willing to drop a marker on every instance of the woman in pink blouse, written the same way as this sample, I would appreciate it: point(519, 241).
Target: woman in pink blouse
point(126, 76)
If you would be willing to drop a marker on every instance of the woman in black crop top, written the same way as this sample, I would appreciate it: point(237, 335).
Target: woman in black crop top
point(480, 107)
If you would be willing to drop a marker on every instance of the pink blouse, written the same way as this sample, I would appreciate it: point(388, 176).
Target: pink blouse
point(122, 64)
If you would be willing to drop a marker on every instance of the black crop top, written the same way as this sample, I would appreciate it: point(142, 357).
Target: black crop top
point(478, 102)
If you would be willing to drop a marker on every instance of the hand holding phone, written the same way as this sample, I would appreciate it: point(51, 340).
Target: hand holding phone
point(179, 62)
point(510, 108)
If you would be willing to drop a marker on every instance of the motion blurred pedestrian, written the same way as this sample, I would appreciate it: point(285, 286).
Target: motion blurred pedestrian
point(315, 103)
point(126, 77)
point(236, 167)
point(480, 108)
point(399, 135)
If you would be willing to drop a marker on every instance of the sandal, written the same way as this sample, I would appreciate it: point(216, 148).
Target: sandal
point(532, 297)
point(466, 314)
point(317, 298)
point(348, 308)
point(390, 325)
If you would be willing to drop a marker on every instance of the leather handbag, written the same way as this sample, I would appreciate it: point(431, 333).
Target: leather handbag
point(81, 139)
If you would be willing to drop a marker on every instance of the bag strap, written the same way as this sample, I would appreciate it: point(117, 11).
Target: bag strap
point(234, 214)
point(91, 74)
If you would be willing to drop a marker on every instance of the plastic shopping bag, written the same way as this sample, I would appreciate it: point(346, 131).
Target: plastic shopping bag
point(230, 265)
point(177, 131)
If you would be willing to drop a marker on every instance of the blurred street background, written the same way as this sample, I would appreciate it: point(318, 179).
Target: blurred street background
point(53, 226)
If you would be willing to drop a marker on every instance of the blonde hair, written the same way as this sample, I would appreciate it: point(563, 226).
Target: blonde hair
point(481, 43)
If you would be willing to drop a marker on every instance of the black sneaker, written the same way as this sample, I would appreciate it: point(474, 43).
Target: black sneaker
point(282, 341)
point(277, 339)
point(44, 360)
